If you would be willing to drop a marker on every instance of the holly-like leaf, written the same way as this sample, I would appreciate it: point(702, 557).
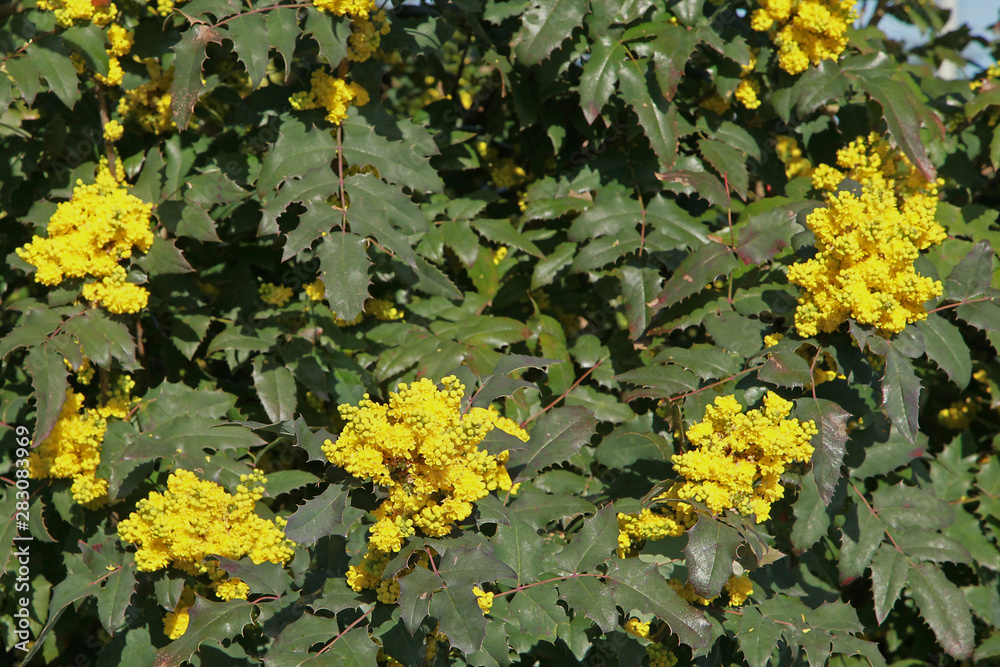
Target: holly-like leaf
point(860, 537)
point(459, 617)
point(464, 567)
point(88, 41)
point(890, 569)
point(812, 517)
point(265, 577)
point(945, 346)
point(595, 543)
point(282, 31)
point(592, 597)
point(55, 66)
point(275, 387)
point(163, 258)
point(765, 235)
point(115, 598)
point(102, 338)
point(298, 151)
point(319, 516)
point(784, 368)
point(545, 26)
point(187, 84)
point(250, 42)
point(397, 161)
point(893, 453)
point(971, 276)
point(758, 637)
point(728, 161)
point(694, 181)
point(671, 50)
point(709, 555)
point(901, 109)
point(639, 285)
point(698, 269)
point(558, 435)
point(900, 391)
point(944, 608)
point(600, 73)
point(829, 444)
point(344, 263)
point(499, 383)
point(330, 33)
point(924, 545)
point(657, 117)
point(637, 585)
point(537, 612)
point(904, 507)
point(48, 377)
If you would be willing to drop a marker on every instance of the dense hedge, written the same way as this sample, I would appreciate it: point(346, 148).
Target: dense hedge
point(497, 333)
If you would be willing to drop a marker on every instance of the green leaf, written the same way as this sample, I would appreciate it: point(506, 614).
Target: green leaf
point(895, 452)
point(657, 117)
point(710, 554)
point(904, 507)
point(728, 161)
point(860, 537)
point(102, 338)
point(924, 545)
point(971, 276)
point(464, 567)
point(538, 509)
point(558, 435)
point(944, 608)
point(638, 287)
point(25, 74)
point(812, 518)
point(591, 597)
point(698, 269)
point(298, 151)
point(767, 234)
point(537, 612)
point(250, 41)
point(501, 231)
point(396, 161)
point(612, 213)
point(694, 182)
point(163, 258)
point(275, 387)
point(459, 617)
point(829, 444)
point(890, 569)
point(600, 73)
point(595, 543)
point(330, 33)
point(48, 377)
point(545, 26)
point(672, 49)
point(659, 381)
point(390, 204)
point(900, 390)
point(265, 577)
point(184, 219)
point(758, 636)
point(88, 41)
point(319, 516)
point(785, 368)
point(637, 585)
point(519, 546)
point(415, 591)
point(282, 31)
point(187, 84)
point(74, 587)
point(672, 225)
point(115, 598)
point(900, 109)
point(52, 60)
point(945, 346)
point(344, 263)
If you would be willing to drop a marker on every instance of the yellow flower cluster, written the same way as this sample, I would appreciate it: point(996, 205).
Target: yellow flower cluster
point(120, 44)
point(424, 451)
point(88, 236)
point(505, 173)
point(73, 448)
point(164, 7)
point(483, 598)
point(330, 93)
point(68, 12)
point(738, 589)
point(345, 7)
point(660, 656)
point(866, 245)
point(113, 131)
point(194, 518)
point(805, 31)
point(790, 155)
point(499, 255)
point(366, 36)
point(175, 623)
point(735, 463)
point(746, 93)
point(635, 627)
point(275, 295)
point(380, 309)
point(149, 104)
point(959, 415)
point(316, 290)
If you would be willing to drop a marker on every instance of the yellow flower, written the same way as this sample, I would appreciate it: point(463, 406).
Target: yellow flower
point(747, 92)
point(345, 7)
point(334, 95)
point(175, 623)
point(483, 599)
point(739, 589)
point(805, 31)
point(194, 518)
point(68, 12)
point(275, 295)
point(88, 236)
point(149, 104)
point(113, 131)
point(315, 290)
point(424, 452)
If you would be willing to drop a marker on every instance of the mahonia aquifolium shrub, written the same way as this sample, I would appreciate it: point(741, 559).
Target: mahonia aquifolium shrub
point(560, 332)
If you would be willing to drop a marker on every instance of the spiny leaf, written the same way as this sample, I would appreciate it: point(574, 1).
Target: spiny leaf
point(699, 268)
point(638, 287)
point(829, 444)
point(785, 368)
point(55, 66)
point(459, 617)
point(637, 585)
point(860, 537)
point(591, 597)
point(595, 542)
point(758, 637)
point(709, 555)
point(971, 276)
point(48, 377)
point(318, 516)
point(671, 50)
point(657, 117)
point(600, 73)
point(900, 390)
point(210, 621)
point(890, 569)
point(728, 161)
point(102, 338)
point(297, 151)
point(344, 263)
point(282, 31)
point(766, 234)
point(187, 85)
point(944, 608)
point(249, 35)
point(900, 108)
point(945, 346)
point(545, 26)
point(115, 598)
point(275, 387)
point(558, 435)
